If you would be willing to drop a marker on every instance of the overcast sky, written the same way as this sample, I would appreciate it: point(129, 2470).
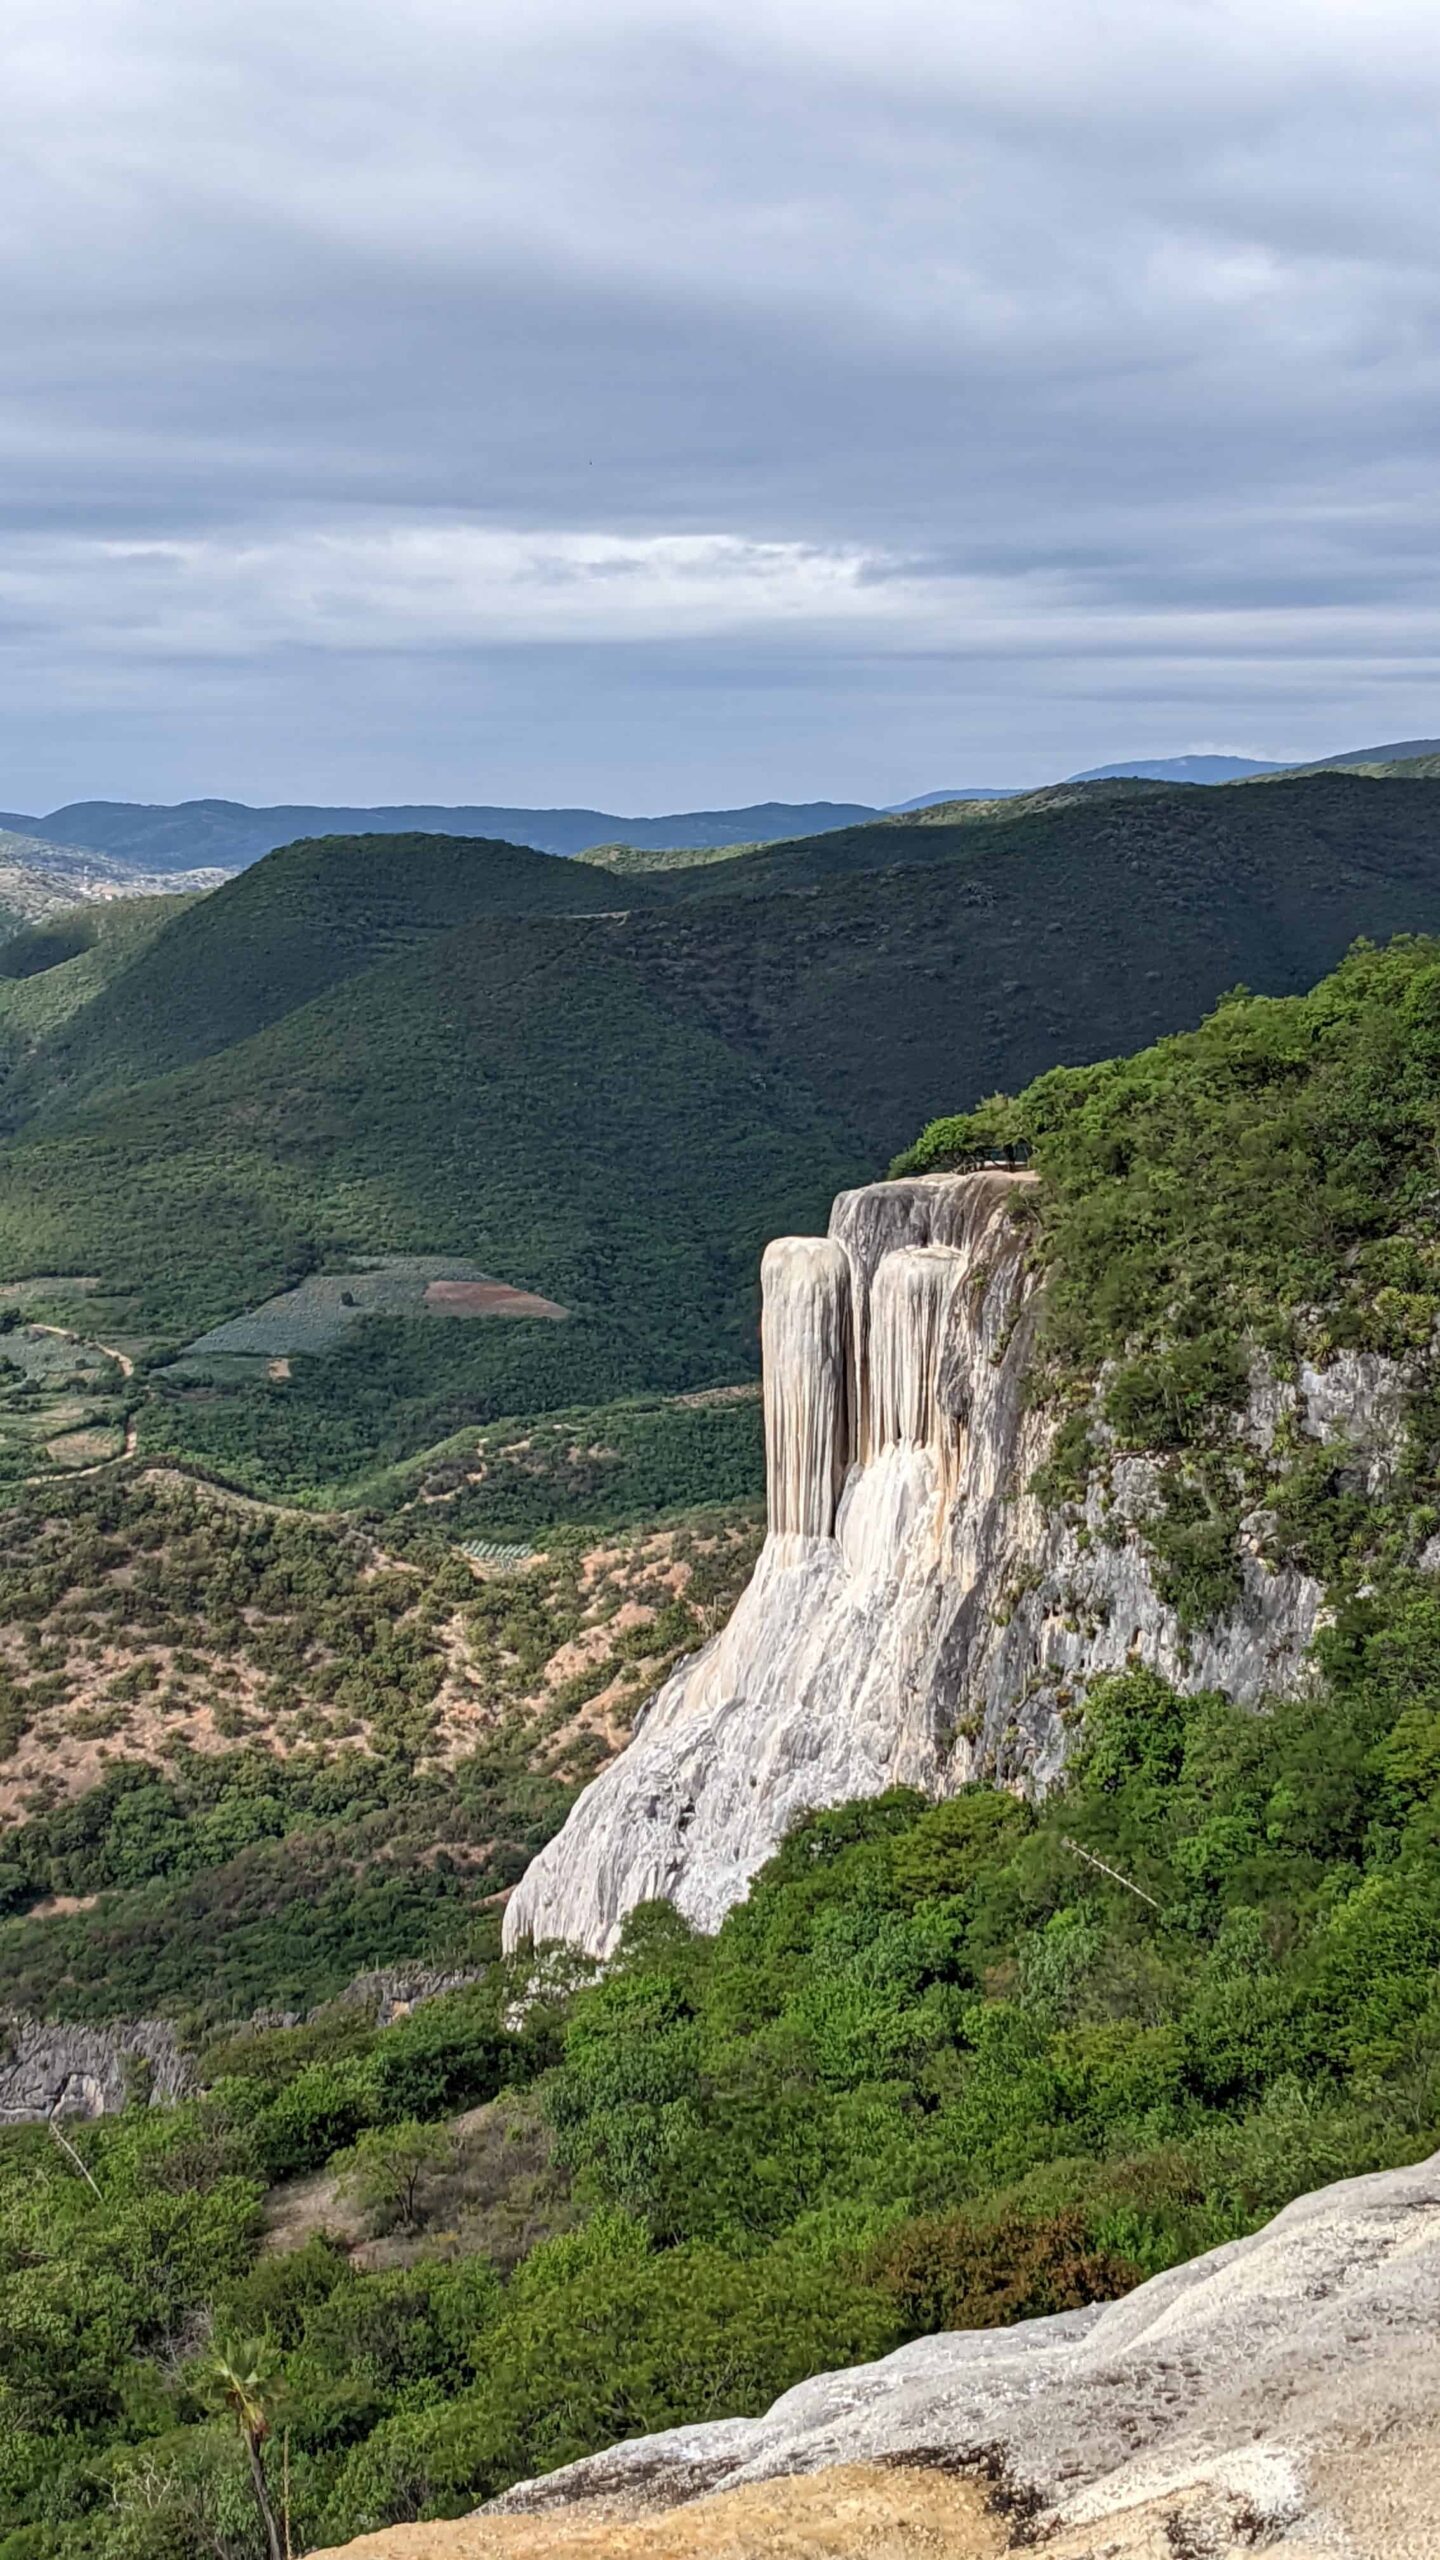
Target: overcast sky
point(667, 403)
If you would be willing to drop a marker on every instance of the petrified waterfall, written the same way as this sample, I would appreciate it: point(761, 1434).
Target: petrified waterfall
point(915, 1617)
point(882, 1342)
point(805, 1349)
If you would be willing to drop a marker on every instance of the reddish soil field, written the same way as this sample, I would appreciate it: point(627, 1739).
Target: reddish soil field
point(486, 1298)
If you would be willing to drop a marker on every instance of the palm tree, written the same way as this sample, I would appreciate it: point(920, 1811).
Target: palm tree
point(243, 2378)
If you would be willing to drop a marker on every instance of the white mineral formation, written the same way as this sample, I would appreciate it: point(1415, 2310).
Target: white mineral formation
point(1282, 2391)
point(917, 1616)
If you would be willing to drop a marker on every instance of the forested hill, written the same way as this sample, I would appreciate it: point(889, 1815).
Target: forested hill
point(612, 1094)
point(1319, 822)
point(305, 919)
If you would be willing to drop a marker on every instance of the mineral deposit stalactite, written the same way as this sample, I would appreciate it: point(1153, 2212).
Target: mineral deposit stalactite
point(910, 1313)
point(805, 1347)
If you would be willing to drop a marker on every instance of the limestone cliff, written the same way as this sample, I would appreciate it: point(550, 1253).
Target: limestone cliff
point(50, 2069)
point(87, 2071)
point(917, 1616)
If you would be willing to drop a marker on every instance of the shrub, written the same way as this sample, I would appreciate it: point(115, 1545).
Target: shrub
point(952, 2272)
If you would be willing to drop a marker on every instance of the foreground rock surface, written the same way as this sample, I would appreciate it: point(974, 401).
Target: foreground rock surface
point(1251, 2384)
point(1280, 2393)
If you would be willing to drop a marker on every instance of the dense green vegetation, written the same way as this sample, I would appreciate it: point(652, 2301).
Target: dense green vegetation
point(1265, 1184)
point(937, 2069)
point(391, 1048)
point(52, 971)
point(612, 1464)
point(313, 915)
point(482, 1098)
point(1306, 818)
point(396, 1389)
point(1280, 1159)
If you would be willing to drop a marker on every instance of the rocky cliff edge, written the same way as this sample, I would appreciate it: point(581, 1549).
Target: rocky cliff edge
point(918, 1616)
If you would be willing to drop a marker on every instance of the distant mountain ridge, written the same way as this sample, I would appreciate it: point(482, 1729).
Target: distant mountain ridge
point(227, 835)
point(1179, 769)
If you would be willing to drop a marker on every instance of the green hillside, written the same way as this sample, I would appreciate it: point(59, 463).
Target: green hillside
point(302, 920)
point(1032, 943)
point(629, 860)
point(1329, 817)
point(522, 1098)
point(616, 1108)
point(1407, 768)
point(948, 2065)
point(52, 971)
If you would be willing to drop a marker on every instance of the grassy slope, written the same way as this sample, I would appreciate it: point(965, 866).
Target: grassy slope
point(304, 919)
point(628, 860)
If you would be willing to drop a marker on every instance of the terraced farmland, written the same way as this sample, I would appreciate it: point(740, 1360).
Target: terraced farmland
point(62, 1401)
point(319, 1311)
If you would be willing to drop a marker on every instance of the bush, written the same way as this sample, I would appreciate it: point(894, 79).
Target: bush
point(952, 2272)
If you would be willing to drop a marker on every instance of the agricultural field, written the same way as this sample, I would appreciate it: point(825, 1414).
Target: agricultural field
point(318, 1313)
point(63, 1401)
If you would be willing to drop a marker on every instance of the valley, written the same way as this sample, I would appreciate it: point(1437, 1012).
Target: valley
point(1015, 1872)
point(370, 1048)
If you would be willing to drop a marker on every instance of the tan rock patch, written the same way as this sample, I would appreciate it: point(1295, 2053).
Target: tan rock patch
point(858, 2511)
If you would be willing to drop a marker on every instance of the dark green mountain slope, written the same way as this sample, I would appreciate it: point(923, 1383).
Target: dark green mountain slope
point(516, 1093)
point(1329, 818)
point(303, 920)
point(1268, 874)
point(1043, 945)
point(617, 1109)
point(52, 971)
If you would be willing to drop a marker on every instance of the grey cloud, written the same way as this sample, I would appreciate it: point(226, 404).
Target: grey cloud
point(1126, 317)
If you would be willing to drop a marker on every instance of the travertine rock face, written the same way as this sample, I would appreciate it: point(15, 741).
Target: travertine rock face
point(48, 2070)
point(916, 1616)
point(86, 2071)
point(1285, 2389)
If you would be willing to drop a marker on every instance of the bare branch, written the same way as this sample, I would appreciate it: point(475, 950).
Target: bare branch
point(1091, 1861)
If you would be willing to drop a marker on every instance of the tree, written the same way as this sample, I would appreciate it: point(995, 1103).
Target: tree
point(386, 2168)
point(243, 2379)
